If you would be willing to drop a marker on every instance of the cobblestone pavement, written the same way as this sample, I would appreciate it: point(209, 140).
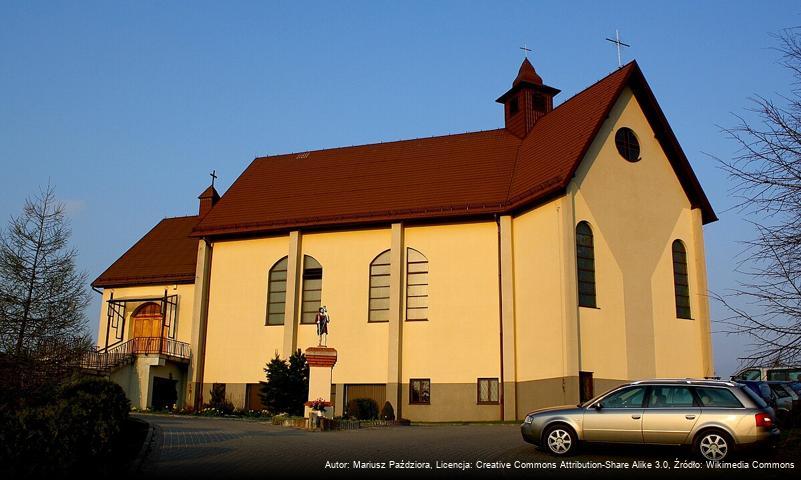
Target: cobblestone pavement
point(232, 448)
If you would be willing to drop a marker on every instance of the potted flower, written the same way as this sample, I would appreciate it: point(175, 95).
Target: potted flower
point(318, 407)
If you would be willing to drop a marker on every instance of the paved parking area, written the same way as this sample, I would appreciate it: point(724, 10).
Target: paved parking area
point(230, 448)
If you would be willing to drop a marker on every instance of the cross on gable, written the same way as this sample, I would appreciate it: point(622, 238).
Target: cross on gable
point(525, 49)
point(213, 176)
point(618, 44)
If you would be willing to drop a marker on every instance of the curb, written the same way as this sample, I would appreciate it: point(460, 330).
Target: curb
point(146, 448)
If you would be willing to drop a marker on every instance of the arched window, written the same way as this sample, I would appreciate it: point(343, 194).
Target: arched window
point(379, 288)
point(276, 293)
point(585, 265)
point(312, 289)
point(416, 285)
point(681, 284)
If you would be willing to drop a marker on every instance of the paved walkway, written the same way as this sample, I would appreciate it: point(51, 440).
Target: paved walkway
point(230, 448)
point(213, 446)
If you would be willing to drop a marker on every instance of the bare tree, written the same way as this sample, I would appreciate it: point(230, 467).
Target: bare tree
point(766, 174)
point(42, 296)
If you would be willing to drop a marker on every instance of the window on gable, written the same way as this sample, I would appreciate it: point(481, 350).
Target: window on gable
point(416, 285)
point(312, 289)
point(681, 282)
point(585, 265)
point(627, 144)
point(276, 293)
point(379, 288)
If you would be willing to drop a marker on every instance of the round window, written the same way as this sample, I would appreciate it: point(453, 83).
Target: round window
point(627, 144)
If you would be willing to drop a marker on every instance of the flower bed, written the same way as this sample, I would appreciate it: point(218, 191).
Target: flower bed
point(287, 421)
point(208, 412)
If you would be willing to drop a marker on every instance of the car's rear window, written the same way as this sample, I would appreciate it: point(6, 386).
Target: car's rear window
point(717, 397)
point(753, 396)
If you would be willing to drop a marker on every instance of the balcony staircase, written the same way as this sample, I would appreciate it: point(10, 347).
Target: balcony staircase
point(103, 361)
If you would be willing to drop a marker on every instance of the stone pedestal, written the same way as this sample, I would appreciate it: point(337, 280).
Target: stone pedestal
point(321, 364)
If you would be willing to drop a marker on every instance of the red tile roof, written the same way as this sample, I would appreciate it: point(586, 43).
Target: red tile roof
point(476, 173)
point(165, 255)
point(479, 173)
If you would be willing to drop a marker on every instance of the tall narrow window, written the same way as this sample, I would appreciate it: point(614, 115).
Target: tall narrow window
point(416, 285)
point(681, 284)
point(379, 288)
point(585, 264)
point(276, 293)
point(312, 289)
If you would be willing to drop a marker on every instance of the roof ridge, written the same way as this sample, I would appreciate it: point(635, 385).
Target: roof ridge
point(343, 147)
point(619, 70)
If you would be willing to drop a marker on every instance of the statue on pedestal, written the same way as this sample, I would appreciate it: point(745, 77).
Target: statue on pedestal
point(322, 320)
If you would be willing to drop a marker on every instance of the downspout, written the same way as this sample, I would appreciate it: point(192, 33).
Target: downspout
point(573, 224)
point(501, 386)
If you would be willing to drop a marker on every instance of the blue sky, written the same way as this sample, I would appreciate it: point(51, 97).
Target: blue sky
point(126, 106)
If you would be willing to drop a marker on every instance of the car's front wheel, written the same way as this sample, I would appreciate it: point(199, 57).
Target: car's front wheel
point(713, 445)
point(560, 440)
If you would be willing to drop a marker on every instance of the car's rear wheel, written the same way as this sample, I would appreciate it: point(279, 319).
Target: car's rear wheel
point(713, 445)
point(560, 440)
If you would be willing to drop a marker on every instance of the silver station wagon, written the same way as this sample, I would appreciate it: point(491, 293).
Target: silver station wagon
point(712, 416)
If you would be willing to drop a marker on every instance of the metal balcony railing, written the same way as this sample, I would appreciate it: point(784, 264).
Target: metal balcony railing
point(108, 359)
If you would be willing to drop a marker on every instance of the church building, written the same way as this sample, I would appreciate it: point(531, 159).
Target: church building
point(468, 277)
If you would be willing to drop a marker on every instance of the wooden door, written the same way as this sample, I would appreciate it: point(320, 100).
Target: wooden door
point(146, 328)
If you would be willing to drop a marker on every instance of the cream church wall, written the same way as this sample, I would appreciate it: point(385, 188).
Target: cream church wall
point(460, 341)
point(238, 344)
point(636, 210)
point(546, 375)
point(361, 345)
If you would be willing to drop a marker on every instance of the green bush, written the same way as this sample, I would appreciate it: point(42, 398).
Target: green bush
point(93, 412)
point(362, 409)
point(287, 385)
point(387, 412)
point(81, 424)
